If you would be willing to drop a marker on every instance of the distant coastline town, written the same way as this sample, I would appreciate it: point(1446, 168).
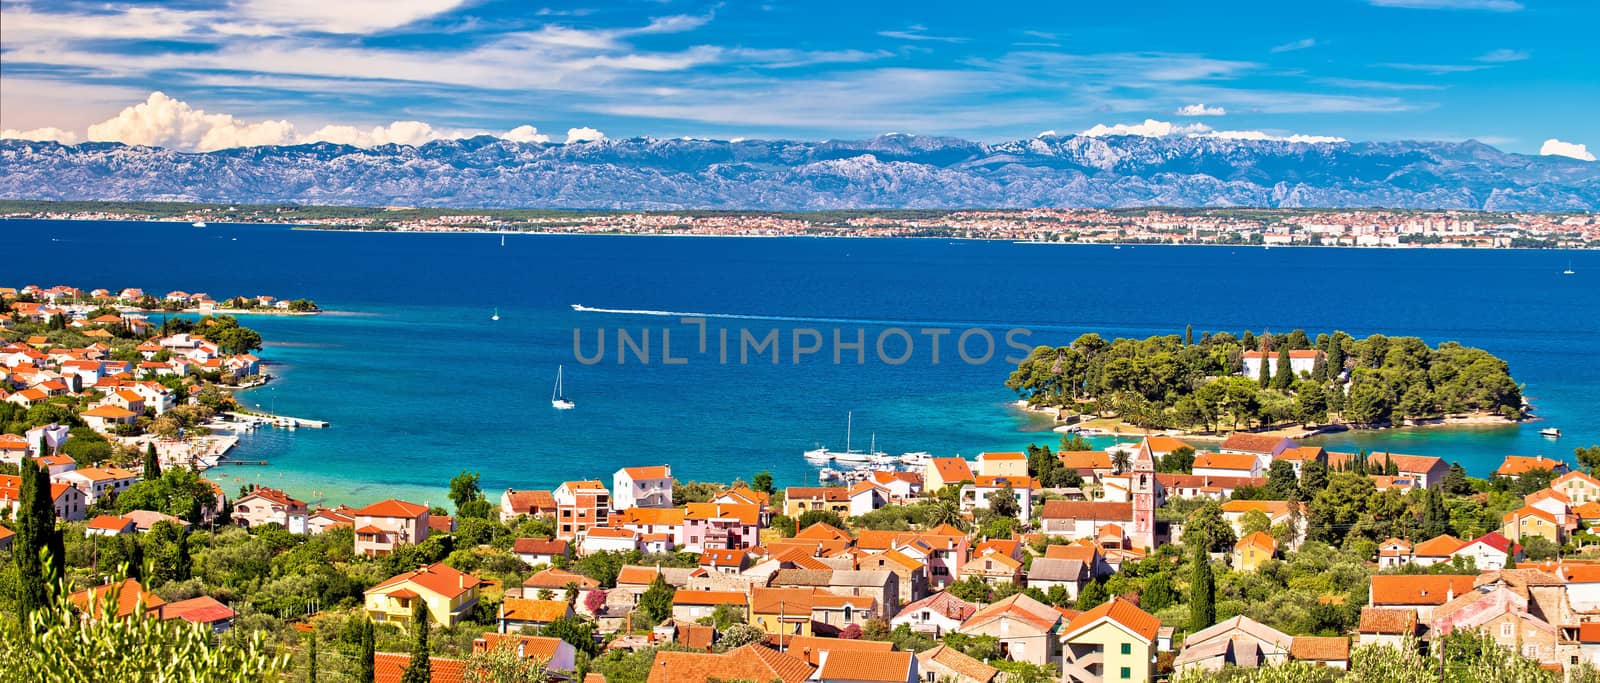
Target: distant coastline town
point(1158, 558)
point(1378, 228)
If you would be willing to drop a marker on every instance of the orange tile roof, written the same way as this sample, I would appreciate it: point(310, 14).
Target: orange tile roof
point(537, 611)
point(439, 578)
point(1120, 611)
point(649, 517)
point(811, 648)
point(654, 472)
point(1528, 511)
point(952, 470)
point(1587, 510)
point(389, 667)
point(847, 665)
point(1272, 508)
point(1516, 465)
point(1259, 539)
point(689, 597)
point(1302, 453)
point(392, 508)
point(1418, 589)
point(1164, 444)
point(834, 494)
point(1085, 460)
point(753, 662)
point(1439, 546)
point(1020, 607)
point(129, 596)
point(995, 482)
point(1251, 443)
point(1225, 461)
point(963, 665)
point(1387, 621)
point(532, 647)
point(1002, 455)
point(746, 514)
point(1320, 649)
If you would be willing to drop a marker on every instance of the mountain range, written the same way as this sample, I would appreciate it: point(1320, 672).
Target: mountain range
point(888, 171)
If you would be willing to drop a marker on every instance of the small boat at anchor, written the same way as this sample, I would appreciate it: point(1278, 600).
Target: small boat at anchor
point(1550, 432)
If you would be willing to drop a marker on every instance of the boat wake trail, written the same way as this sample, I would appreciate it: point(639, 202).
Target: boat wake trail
point(806, 319)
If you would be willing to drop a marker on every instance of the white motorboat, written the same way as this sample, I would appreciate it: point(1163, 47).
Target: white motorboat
point(915, 458)
point(198, 224)
point(1551, 432)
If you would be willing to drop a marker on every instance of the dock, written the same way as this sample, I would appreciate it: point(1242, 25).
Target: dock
point(284, 421)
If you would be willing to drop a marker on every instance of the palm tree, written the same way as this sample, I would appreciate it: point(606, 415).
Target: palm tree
point(1119, 461)
point(944, 511)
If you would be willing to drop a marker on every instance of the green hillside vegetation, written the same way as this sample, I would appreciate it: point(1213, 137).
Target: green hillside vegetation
point(1197, 384)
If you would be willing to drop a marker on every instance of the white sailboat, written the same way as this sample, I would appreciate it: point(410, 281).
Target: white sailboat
point(1569, 270)
point(558, 398)
point(502, 240)
point(198, 224)
point(848, 456)
point(496, 315)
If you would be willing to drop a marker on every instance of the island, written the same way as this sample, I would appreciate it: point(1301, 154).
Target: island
point(1290, 382)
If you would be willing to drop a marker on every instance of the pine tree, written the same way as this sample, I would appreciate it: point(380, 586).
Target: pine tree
point(1202, 593)
point(1435, 518)
point(152, 464)
point(420, 670)
point(182, 568)
point(1313, 478)
point(1285, 377)
point(365, 669)
point(656, 601)
point(1319, 370)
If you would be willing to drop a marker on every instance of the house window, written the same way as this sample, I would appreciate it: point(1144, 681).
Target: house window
point(1531, 651)
point(1505, 630)
point(1127, 672)
point(1127, 649)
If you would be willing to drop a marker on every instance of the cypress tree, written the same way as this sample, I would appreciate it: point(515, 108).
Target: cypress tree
point(420, 670)
point(1202, 593)
point(365, 667)
point(1390, 468)
point(1188, 335)
point(152, 464)
point(1264, 377)
point(181, 571)
point(1335, 356)
point(1319, 370)
point(1285, 376)
point(36, 534)
point(311, 659)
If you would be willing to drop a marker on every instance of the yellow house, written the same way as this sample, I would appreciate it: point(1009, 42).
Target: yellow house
point(1003, 464)
point(782, 610)
point(1253, 550)
point(1113, 642)
point(1531, 521)
point(941, 472)
point(798, 500)
point(449, 594)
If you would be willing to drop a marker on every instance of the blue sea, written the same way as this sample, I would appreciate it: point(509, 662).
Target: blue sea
point(419, 383)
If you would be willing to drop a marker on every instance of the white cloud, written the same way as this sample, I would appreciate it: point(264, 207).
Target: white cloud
point(397, 133)
point(344, 16)
point(1503, 55)
point(1200, 109)
point(1554, 147)
point(161, 121)
point(584, 134)
point(1151, 128)
point(1300, 44)
point(1046, 134)
point(1490, 5)
point(917, 33)
point(65, 137)
point(1259, 135)
point(525, 134)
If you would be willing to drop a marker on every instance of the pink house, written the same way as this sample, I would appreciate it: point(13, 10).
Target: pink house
point(721, 526)
point(381, 527)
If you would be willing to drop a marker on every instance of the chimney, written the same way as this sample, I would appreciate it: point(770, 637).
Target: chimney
point(1450, 594)
point(522, 645)
point(462, 580)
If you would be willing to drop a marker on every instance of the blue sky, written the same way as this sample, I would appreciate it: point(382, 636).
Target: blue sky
point(1513, 73)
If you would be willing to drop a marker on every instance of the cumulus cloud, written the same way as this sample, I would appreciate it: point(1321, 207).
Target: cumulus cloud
point(65, 137)
point(397, 133)
point(1200, 109)
point(1151, 128)
point(162, 121)
point(1503, 55)
point(525, 134)
point(1554, 147)
point(584, 134)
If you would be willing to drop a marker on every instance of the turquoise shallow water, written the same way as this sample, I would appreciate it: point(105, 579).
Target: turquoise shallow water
point(419, 383)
